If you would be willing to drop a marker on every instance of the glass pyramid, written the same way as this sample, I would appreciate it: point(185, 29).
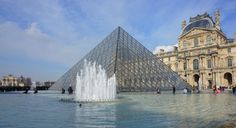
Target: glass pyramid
point(135, 67)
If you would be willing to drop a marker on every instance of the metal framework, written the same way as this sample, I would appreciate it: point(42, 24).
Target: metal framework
point(136, 68)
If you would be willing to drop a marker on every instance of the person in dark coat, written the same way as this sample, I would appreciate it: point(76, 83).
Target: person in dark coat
point(173, 89)
point(63, 91)
point(234, 90)
point(158, 91)
point(70, 90)
point(35, 90)
point(26, 91)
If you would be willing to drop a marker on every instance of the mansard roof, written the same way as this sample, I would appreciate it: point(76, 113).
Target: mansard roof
point(199, 21)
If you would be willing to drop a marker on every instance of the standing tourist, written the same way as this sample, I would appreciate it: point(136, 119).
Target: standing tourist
point(173, 89)
point(234, 90)
point(63, 91)
point(70, 90)
point(158, 91)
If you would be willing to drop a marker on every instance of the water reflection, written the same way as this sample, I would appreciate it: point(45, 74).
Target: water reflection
point(137, 111)
point(205, 110)
point(95, 115)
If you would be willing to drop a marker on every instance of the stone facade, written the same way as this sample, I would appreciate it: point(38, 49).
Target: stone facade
point(9, 80)
point(204, 56)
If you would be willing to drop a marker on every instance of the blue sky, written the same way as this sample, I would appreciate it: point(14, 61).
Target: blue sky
point(42, 39)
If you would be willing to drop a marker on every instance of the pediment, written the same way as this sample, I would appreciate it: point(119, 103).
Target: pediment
point(195, 31)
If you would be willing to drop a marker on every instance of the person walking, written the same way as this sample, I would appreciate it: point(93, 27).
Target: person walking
point(70, 90)
point(63, 91)
point(234, 90)
point(173, 89)
point(158, 91)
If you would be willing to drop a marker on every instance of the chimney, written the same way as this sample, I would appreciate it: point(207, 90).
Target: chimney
point(175, 48)
point(162, 50)
point(183, 24)
point(217, 19)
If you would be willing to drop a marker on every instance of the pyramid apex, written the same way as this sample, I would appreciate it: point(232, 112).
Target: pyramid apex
point(119, 27)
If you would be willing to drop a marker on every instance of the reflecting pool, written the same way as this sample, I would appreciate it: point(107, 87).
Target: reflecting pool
point(131, 110)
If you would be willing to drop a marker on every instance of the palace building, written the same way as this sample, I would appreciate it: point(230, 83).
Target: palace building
point(13, 81)
point(9, 80)
point(204, 56)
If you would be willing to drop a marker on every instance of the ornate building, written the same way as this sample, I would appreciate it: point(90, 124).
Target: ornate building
point(9, 80)
point(204, 56)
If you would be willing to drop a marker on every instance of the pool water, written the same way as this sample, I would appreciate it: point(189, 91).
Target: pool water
point(130, 110)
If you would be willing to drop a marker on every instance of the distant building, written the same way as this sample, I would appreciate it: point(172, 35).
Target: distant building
point(204, 56)
point(9, 80)
point(49, 83)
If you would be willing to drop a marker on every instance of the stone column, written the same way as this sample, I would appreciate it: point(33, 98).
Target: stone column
point(188, 67)
point(233, 79)
point(213, 61)
point(221, 79)
point(217, 78)
point(200, 81)
point(200, 62)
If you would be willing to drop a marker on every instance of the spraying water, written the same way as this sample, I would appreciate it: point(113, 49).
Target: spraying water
point(92, 84)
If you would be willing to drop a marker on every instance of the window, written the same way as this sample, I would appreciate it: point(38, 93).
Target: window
point(229, 50)
point(208, 39)
point(195, 42)
point(230, 62)
point(195, 64)
point(169, 58)
point(208, 51)
point(176, 66)
point(185, 44)
point(208, 63)
point(185, 66)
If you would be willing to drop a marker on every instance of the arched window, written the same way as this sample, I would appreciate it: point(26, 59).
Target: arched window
point(195, 64)
point(208, 39)
point(195, 42)
point(230, 62)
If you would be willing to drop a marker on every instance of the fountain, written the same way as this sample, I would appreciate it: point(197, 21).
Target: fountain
point(93, 85)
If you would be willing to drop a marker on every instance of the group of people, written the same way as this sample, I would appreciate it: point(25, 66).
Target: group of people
point(185, 91)
point(70, 90)
point(27, 89)
point(218, 90)
point(221, 89)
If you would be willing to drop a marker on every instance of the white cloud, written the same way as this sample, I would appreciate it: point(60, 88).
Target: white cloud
point(32, 43)
point(63, 32)
point(167, 48)
point(33, 29)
